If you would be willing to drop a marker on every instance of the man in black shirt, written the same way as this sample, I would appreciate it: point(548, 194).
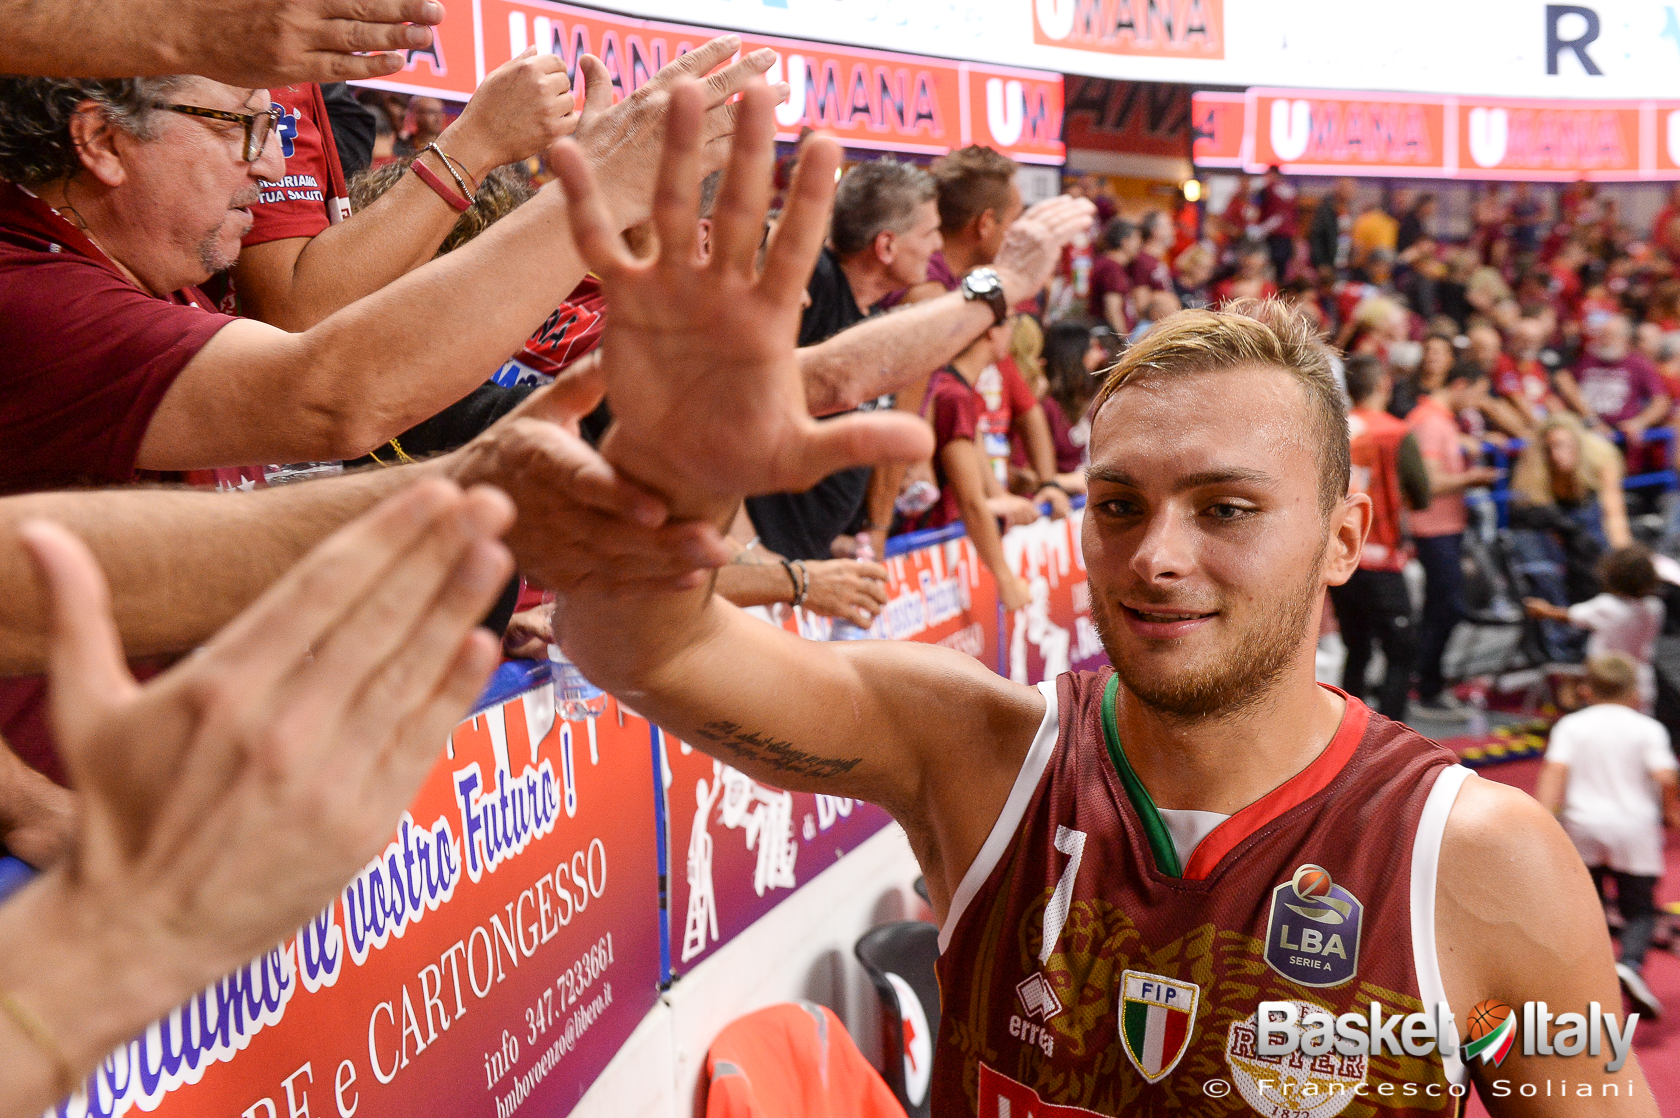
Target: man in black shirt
point(884, 230)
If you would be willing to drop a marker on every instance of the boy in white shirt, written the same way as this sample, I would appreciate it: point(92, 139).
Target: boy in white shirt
point(1626, 618)
point(1609, 774)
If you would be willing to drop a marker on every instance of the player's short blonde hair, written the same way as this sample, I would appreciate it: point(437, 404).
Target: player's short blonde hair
point(1248, 333)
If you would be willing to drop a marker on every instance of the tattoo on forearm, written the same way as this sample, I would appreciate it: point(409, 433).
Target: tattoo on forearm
point(778, 754)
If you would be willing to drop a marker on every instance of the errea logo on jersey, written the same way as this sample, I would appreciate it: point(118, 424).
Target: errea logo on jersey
point(1039, 1000)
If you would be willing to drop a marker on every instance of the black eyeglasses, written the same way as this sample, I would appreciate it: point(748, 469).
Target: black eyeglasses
point(258, 126)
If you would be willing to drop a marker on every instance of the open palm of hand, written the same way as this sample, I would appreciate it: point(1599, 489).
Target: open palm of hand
point(699, 359)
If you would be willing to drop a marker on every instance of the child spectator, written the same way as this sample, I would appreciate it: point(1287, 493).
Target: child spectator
point(1111, 281)
point(1626, 618)
point(955, 408)
point(1027, 346)
point(1609, 774)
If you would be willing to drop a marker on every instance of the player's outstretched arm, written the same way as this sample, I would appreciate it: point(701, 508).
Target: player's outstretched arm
point(886, 353)
point(710, 406)
point(1517, 920)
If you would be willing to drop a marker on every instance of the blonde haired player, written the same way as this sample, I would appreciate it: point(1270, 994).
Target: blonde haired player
point(1122, 861)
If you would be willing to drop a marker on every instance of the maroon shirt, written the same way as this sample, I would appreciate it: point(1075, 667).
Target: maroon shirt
point(1075, 935)
point(1277, 210)
point(1108, 274)
point(1618, 390)
point(89, 357)
point(955, 409)
point(1149, 271)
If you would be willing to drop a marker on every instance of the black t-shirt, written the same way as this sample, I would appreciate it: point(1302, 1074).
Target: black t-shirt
point(802, 525)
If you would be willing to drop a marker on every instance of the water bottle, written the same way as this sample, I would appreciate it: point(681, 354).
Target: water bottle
point(301, 471)
point(844, 630)
point(575, 698)
point(1478, 724)
point(916, 498)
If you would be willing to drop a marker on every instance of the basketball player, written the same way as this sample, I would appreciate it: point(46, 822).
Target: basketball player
point(1125, 863)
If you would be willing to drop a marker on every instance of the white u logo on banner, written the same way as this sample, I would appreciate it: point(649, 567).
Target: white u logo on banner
point(1055, 17)
point(1006, 110)
point(1490, 130)
point(791, 111)
point(1291, 128)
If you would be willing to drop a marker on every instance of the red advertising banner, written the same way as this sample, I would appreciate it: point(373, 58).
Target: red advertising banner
point(1134, 118)
point(863, 98)
point(1189, 29)
point(1054, 632)
point(1216, 129)
point(1307, 131)
point(510, 937)
point(738, 847)
point(1018, 112)
point(1346, 133)
point(450, 67)
point(1548, 139)
point(492, 959)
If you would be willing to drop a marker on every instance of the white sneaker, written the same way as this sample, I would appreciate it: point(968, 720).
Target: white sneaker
point(1646, 1001)
point(1444, 707)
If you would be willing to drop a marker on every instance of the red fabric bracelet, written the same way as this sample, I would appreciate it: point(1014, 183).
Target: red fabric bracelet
point(456, 202)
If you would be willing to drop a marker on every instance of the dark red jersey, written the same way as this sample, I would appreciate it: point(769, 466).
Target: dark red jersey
point(1084, 972)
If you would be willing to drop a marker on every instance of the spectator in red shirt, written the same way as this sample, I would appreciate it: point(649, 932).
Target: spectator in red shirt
point(956, 409)
point(117, 205)
point(1279, 223)
point(1486, 352)
point(1252, 279)
point(1148, 269)
point(1438, 530)
point(306, 256)
point(978, 201)
point(1111, 281)
point(1614, 386)
point(424, 122)
point(1522, 380)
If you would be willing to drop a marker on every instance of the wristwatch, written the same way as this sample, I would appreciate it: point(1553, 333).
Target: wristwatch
point(983, 284)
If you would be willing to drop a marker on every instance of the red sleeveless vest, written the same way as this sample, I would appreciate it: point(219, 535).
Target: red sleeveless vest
point(1082, 974)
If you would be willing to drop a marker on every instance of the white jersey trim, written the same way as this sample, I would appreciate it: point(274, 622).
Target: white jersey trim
point(1009, 820)
point(1426, 861)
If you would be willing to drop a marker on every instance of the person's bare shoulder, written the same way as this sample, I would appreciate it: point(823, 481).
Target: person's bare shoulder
point(1512, 892)
point(1517, 920)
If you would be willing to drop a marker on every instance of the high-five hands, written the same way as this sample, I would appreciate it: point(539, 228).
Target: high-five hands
point(1032, 245)
point(222, 804)
point(623, 141)
point(707, 396)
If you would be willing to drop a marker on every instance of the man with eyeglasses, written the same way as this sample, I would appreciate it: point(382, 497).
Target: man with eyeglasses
point(120, 196)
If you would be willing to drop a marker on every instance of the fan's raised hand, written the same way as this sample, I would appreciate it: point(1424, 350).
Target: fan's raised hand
point(699, 359)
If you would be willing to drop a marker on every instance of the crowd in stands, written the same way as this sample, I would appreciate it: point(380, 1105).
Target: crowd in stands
point(242, 281)
point(1537, 356)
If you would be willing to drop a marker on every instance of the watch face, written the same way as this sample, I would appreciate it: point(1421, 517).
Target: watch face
point(983, 281)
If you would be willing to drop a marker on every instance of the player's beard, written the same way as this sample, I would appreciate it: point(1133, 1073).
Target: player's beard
point(1230, 682)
